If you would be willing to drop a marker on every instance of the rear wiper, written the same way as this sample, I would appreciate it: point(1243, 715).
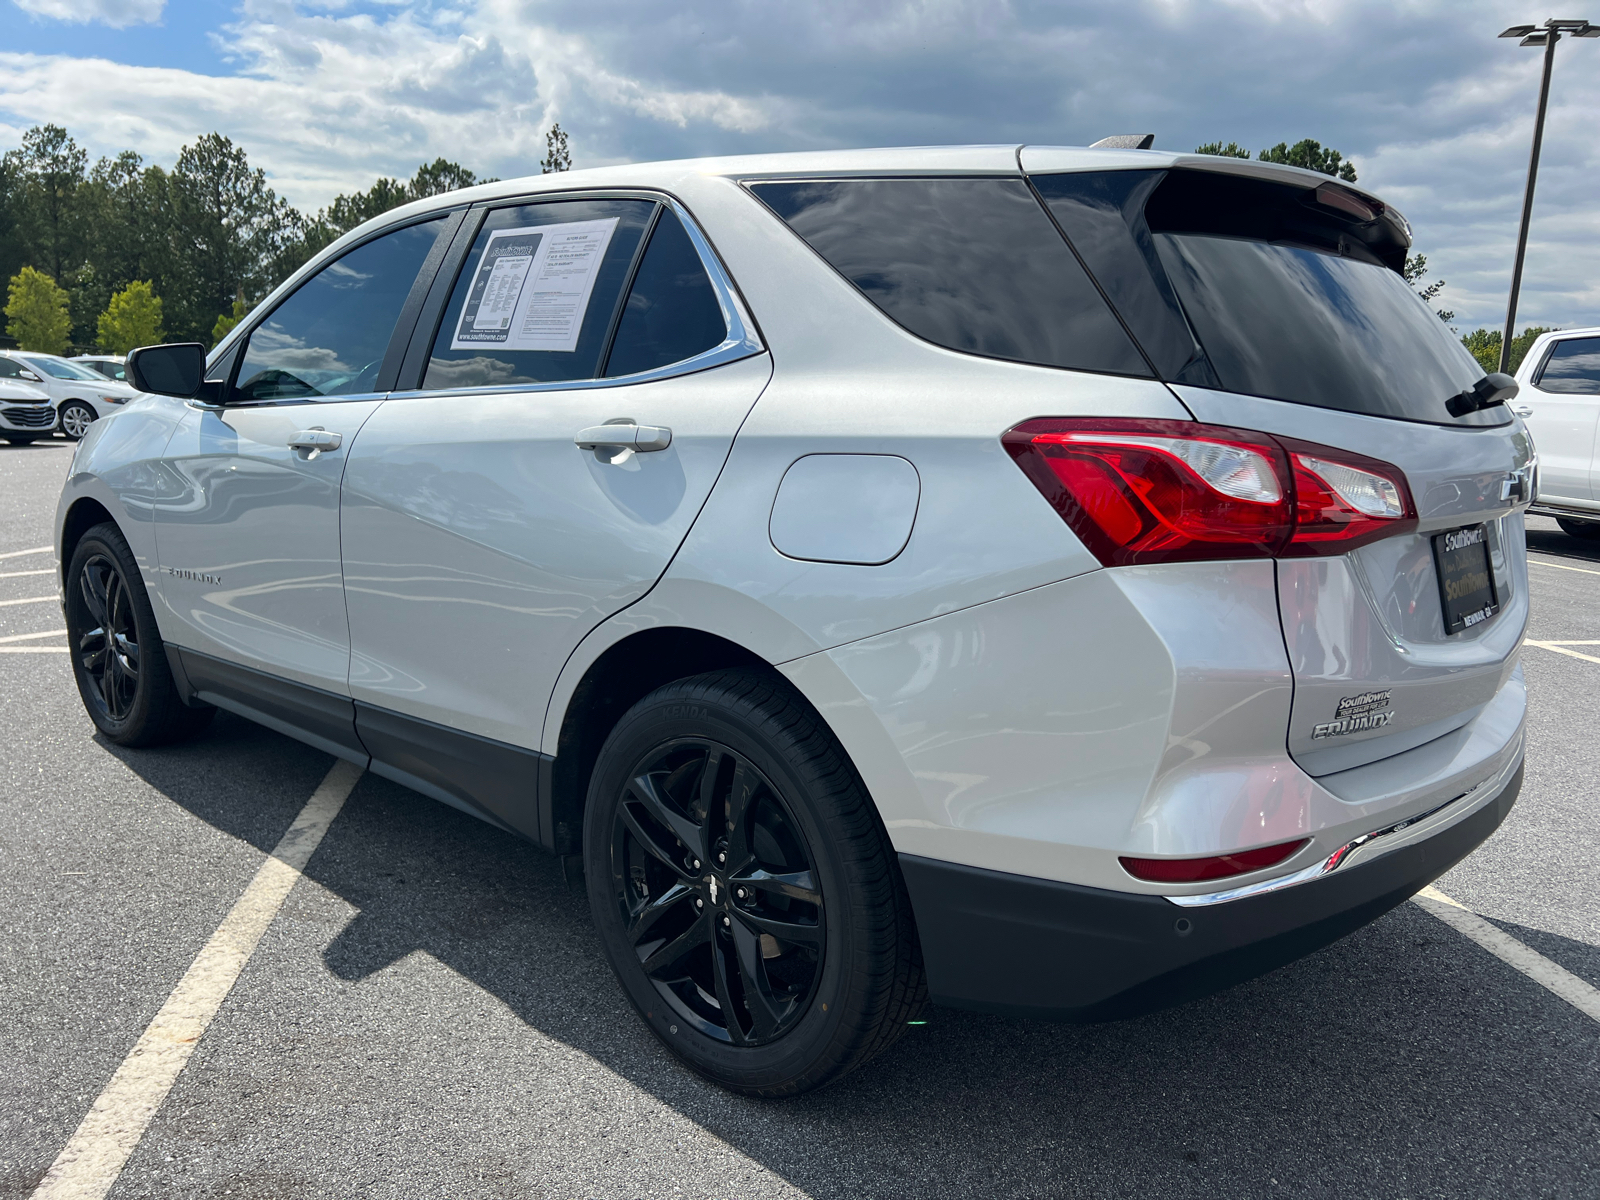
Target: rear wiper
point(1492, 389)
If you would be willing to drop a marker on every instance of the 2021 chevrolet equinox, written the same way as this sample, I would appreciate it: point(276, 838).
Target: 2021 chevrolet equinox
point(1047, 581)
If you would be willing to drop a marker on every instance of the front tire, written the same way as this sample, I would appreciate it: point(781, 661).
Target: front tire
point(744, 889)
point(1588, 531)
point(75, 419)
point(118, 658)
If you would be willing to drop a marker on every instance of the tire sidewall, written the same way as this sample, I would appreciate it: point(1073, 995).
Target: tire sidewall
point(105, 542)
point(665, 717)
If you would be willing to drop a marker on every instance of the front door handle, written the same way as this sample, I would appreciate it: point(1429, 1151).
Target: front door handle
point(619, 436)
point(315, 441)
point(1522, 410)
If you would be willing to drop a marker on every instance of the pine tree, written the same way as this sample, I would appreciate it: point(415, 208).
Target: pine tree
point(556, 155)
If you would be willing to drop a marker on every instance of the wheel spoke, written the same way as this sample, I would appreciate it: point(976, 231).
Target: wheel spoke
point(740, 788)
point(643, 789)
point(784, 931)
point(766, 1010)
point(662, 854)
point(92, 648)
point(797, 885)
point(93, 587)
point(669, 954)
point(645, 919)
point(719, 970)
point(128, 651)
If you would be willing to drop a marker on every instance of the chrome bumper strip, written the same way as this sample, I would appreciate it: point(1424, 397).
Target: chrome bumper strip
point(1332, 863)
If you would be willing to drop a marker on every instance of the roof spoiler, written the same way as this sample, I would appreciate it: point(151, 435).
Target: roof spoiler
point(1125, 141)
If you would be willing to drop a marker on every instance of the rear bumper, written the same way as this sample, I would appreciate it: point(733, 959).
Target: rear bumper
point(1037, 948)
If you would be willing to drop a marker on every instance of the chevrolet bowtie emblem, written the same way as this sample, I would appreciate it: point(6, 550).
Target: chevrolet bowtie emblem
point(712, 879)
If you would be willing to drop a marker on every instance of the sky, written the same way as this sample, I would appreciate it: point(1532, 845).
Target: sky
point(1436, 112)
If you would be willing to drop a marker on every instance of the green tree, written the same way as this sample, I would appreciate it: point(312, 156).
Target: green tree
point(133, 318)
point(441, 175)
point(1416, 267)
point(36, 312)
point(225, 323)
point(1484, 345)
point(1231, 150)
point(1307, 153)
point(52, 166)
point(348, 211)
point(557, 157)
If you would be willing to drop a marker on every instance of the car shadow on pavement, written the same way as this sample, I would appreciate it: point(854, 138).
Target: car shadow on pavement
point(1555, 541)
point(1402, 1061)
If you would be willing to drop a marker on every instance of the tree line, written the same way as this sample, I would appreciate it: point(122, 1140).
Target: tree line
point(121, 253)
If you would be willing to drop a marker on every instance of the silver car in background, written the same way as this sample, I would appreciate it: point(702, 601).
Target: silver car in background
point(1047, 581)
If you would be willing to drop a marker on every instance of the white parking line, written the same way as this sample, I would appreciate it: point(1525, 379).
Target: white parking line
point(20, 574)
point(25, 553)
point(30, 637)
point(94, 1157)
point(1539, 562)
point(1576, 992)
point(31, 600)
point(1561, 648)
point(33, 649)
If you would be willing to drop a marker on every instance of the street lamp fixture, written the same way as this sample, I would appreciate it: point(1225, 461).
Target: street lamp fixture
point(1546, 35)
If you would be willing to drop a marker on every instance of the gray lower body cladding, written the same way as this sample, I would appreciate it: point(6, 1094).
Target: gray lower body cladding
point(1037, 948)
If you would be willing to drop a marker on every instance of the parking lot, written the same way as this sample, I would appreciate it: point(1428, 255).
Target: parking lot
point(428, 1014)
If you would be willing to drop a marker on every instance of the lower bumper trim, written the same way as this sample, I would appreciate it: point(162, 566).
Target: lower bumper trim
point(1027, 947)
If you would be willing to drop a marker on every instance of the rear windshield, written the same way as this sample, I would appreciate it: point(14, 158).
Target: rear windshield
point(1267, 289)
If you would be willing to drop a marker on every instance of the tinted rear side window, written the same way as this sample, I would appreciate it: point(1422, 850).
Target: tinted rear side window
point(672, 311)
point(536, 297)
point(972, 264)
point(1572, 368)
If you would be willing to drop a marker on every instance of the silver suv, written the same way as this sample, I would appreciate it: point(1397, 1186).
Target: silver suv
point(1048, 581)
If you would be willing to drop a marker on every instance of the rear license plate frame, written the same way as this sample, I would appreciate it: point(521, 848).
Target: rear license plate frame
point(1458, 555)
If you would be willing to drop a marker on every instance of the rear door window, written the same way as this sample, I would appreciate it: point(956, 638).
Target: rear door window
point(973, 264)
point(330, 336)
point(672, 313)
point(1573, 368)
point(538, 294)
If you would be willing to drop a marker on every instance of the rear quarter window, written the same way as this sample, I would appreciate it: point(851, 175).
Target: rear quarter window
point(972, 264)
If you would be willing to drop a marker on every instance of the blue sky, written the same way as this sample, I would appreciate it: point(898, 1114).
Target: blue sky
point(1436, 112)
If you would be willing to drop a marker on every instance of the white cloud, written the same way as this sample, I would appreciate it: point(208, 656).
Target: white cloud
point(1435, 111)
point(119, 14)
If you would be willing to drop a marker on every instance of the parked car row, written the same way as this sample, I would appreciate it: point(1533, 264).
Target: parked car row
point(78, 392)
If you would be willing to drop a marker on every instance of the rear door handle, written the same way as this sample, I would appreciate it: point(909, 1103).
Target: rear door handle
point(642, 438)
point(1522, 410)
point(315, 441)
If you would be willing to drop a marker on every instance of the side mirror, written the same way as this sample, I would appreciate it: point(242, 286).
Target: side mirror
point(28, 375)
point(177, 369)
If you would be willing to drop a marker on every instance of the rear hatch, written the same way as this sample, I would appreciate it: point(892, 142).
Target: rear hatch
point(1273, 301)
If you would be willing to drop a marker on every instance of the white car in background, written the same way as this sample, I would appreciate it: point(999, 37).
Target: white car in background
point(26, 414)
point(1559, 401)
point(81, 396)
point(109, 365)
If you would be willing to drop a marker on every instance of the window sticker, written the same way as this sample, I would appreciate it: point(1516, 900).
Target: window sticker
point(532, 287)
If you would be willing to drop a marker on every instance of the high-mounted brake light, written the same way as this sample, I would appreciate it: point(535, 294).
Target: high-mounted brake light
point(1220, 866)
point(1141, 491)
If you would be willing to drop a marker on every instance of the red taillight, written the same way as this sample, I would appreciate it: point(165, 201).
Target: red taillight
point(1220, 866)
point(1138, 491)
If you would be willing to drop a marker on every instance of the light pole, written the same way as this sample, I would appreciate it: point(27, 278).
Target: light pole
point(1547, 36)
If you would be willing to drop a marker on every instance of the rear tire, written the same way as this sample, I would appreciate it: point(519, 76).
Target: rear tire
point(1588, 531)
point(744, 889)
point(118, 658)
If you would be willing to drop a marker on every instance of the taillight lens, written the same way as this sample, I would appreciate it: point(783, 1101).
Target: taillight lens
point(1219, 866)
point(1138, 491)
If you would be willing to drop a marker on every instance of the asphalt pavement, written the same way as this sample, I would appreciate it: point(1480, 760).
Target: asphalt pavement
point(429, 1014)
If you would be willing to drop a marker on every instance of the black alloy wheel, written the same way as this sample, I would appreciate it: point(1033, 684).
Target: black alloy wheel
point(743, 886)
point(118, 657)
point(714, 880)
point(108, 652)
